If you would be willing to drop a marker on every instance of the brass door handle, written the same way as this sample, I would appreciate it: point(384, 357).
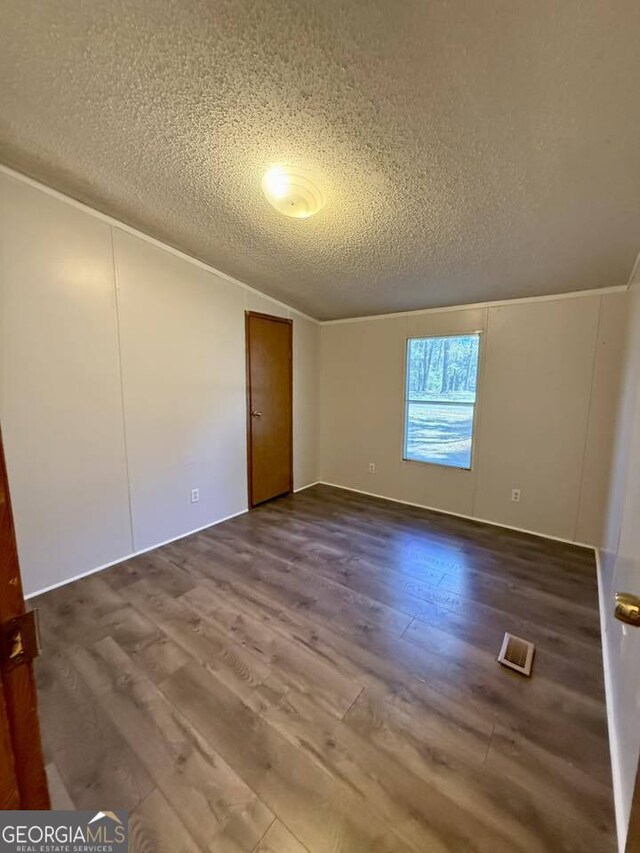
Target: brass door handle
point(627, 608)
point(19, 640)
point(256, 414)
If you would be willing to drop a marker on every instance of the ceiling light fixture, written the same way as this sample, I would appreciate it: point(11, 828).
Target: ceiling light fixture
point(292, 191)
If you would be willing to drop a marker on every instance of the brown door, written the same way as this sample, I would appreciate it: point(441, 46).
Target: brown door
point(23, 783)
point(269, 406)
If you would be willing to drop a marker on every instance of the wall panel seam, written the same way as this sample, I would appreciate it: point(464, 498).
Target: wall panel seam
point(588, 419)
point(112, 222)
point(133, 554)
point(116, 283)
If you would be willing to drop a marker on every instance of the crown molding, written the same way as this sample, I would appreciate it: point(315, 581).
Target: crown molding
point(551, 297)
point(115, 223)
point(129, 229)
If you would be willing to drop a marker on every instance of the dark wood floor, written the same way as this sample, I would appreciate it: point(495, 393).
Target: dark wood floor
point(320, 675)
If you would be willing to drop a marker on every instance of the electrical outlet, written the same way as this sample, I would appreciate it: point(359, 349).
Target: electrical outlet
point(372, 467)
point(515, 495)
point(195, 496)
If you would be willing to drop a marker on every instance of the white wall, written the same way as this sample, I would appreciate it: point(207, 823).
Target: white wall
point(182, 345)
point(620, 571)
point(60, 399)
point(122, 387)
point(548, 390)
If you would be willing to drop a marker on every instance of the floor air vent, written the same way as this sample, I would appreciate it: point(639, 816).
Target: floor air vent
point(517, 654)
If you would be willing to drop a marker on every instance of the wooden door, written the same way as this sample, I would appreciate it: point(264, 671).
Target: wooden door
point(269, 406)
point(23, 782)
point(633, 837)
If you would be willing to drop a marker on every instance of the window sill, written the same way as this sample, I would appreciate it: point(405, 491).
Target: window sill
point(439, 465)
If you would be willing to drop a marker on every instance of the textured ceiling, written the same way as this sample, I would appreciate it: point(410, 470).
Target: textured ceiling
point(468, 150)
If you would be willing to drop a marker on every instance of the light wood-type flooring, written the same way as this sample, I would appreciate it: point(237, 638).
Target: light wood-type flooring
point(320, 675)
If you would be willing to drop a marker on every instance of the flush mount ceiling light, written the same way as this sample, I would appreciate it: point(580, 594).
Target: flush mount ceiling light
point(292, 191)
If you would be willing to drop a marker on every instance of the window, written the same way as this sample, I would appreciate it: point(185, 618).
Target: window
point(440, 399)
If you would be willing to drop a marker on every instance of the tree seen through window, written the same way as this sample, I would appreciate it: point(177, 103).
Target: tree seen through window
point(441, 384)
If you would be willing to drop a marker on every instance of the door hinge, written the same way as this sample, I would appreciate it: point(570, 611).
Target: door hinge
point(19, 640)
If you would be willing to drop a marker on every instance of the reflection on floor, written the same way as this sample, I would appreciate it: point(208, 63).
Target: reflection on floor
point(320, 675)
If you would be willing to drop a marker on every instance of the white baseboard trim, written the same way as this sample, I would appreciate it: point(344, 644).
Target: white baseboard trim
point(613, 740)
point(308, 486)
point(133, 554)
point(301, 489)
point(614, 743)
point(460, 515)
point(145, 550)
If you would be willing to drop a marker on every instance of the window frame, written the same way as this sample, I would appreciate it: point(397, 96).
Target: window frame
point(476, 404)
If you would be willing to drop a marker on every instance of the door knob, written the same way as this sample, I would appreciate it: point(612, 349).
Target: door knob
point(256, 414)
point(627, 608)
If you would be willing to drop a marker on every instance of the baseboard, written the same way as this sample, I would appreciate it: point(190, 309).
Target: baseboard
point(145, 550)
point(461, 515)
point(133, 554)
point(308, 486)
point(614, 744)
point(302, 489)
